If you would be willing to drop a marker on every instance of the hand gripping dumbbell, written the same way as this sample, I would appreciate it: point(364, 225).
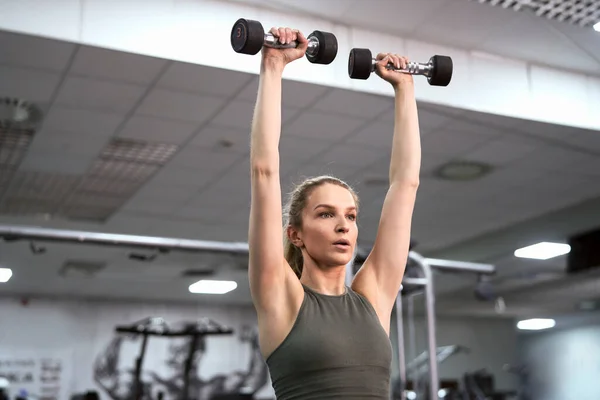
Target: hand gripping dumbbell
point(248, 37)
point(438, 69)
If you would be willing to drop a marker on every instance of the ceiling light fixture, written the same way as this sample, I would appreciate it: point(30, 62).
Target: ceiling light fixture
point(462, 170)
point(543, 250)
point(5, 274)
point(205, 286)
point(596, 26)
point(19, 113)
point(536, 324)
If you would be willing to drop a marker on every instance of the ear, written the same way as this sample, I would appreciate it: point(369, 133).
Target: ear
point(294, 236)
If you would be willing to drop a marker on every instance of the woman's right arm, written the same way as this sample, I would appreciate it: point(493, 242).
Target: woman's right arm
point(267, 265)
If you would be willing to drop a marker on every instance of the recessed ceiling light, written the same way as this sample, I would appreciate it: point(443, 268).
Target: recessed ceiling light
point(5, 274)
point(543, 250)
point(536, 324)
point(19, 113)
point(462, 170)
point(206, 286)
point(597, 27)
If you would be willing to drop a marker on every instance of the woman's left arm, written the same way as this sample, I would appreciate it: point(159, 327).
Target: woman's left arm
point(382, 272)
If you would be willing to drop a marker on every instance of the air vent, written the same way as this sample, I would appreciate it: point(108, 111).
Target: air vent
point(140, 152)
point(81, 268)
point(584, 13)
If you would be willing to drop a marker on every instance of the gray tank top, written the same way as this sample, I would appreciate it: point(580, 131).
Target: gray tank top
point(337, 349)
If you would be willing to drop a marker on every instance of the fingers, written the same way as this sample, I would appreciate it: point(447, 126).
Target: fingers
point(398, 61)
point(286, 35)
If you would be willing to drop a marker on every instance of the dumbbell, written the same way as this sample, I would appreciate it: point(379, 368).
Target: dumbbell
point(438, 69)
point(248, 37)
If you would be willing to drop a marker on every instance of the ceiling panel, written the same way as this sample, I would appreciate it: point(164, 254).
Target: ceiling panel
point(538, 42)
point(319, 125)
point(113, 65)
point(179, 106)
point(99, 95)
point(353, 104)
point(32, 85)
point(154, 129)
point(238, 114)
point(456, 21)
point(82, 122)
point(203, 80)
point(35, 52)
point(293, 94)
point(213, 136)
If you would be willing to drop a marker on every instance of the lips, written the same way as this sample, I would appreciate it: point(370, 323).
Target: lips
point(342, 242)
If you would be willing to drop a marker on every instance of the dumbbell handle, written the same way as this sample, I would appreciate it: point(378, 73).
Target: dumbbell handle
point(413, 68)
point(273, 42)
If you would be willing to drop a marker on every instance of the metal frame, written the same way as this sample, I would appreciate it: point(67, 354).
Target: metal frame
point(13, 232)
point(427, 265)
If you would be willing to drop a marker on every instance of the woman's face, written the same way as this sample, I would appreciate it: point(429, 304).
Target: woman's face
point(329, 231)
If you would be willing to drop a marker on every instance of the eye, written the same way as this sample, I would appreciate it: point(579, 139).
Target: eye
point(325, 214)
point(352, 217)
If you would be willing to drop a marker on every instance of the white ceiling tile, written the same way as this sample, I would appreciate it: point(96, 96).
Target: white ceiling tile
point(537, 41)
point(212, 161)
point(115, 65)
point(212, 136)
point(68, 142)
point(502, 151)
point(293, 149)
point(322, 167)
point(56, 162)
point(99, 95)
point(200, 211)
point(30, 51)
point(546, 157)
point(322, 126)
point(377, 134)
point(238, 114)
point(456, 22)
point(181, 176)
point(400, 16)
point(28, 84)
point(152, 129)
point(201, 79)
point(83, 122)
point(450, 142)
point(354, 155)
point(155, 207)
point(585, 38)
point(355, 104)
point(293, 94)
point(179, 106)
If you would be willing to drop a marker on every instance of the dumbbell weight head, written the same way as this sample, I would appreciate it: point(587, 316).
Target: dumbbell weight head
point(441, 71)
point(322, 47)
point(360, 63)
point(247, 36)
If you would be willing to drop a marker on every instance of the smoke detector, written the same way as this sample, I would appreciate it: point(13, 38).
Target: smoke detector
point(462, 170)
point(19, 113)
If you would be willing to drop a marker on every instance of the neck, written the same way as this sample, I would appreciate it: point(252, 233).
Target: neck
point(330, 281)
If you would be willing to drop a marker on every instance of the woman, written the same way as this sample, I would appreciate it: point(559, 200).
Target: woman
point(321, 339)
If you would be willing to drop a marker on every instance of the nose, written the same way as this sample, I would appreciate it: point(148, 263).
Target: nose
point(342, 227)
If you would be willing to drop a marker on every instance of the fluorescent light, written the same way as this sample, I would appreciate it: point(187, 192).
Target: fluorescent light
point(5, 274)
point(597, 27)
point(543, 250)
point(212, 287)
point(536, 324)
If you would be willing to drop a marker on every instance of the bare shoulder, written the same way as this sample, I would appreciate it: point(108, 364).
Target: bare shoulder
point(276, 321)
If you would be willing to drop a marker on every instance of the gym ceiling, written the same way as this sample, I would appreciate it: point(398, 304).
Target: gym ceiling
point(146, 146)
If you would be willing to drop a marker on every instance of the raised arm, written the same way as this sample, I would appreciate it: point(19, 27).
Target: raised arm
point(383, 270)
point(267, 265)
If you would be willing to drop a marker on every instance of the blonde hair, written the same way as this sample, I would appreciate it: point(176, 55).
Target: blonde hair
point(293, 214)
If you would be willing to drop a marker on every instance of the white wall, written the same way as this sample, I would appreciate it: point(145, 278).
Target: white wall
point(492, 344)
point(564, 364)
point(75, 333)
